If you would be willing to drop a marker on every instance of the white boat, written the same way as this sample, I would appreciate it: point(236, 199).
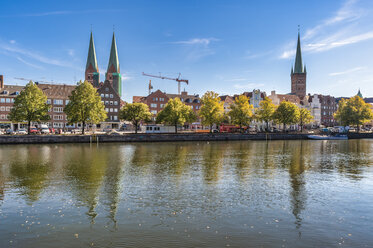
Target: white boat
point(328, 137)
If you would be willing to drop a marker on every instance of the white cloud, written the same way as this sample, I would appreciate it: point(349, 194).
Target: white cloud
point(342, 29)
point(196, 41)
point(347, 71)
point(12, 41)
point(71, 52)
point(30, 64)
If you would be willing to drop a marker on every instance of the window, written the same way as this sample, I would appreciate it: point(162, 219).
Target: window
point(58, 102)
point(7, 108)
point(67, 102)
point(102, 95)
point(2, 108)
point(161, 99)
point(156, 99)
point(7, 100)
point(107, 95)
point(111, 110)
point(17, 93)
point(106, 89)
point(115, 102)
point(111, 102)
point(106, 102)
point(49, 101)
point(154, 112)
point(106, 109)
point(111, 96)
point(2, 99)
point(153, 105)
point(58, 117)
point(58, 109)
point(115, 110)
point(161, 105)
point(2, 117)
point(115, 118)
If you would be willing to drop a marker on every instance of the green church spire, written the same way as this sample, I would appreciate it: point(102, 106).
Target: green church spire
point(91, 60)
point(298, 68)
point(359, 94)
point(113, 60)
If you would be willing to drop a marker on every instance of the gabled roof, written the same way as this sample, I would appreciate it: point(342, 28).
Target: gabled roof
point(107, 84)
point(113, 60)
point(57, 90)
point(91, 59)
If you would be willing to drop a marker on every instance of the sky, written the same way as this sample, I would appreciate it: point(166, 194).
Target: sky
point(225, 46)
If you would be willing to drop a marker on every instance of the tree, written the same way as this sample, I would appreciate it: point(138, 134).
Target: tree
point(30, 105)
point(286, 113)
point(305, 117)
point(265, 111)
point(354, 111)
point(135, 113)
point(85, 106)
point(241, 111)
point(212, 109)
point(175, 113)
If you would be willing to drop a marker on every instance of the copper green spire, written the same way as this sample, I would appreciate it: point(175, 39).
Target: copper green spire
point(91, 60)
point(359, 94)
point(298, 68)
point(113, 60)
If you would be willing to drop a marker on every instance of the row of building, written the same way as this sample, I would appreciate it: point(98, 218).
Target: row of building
point(322, 107)
point(58, 95)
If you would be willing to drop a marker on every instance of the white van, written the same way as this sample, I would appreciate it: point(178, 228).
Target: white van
point(157, 129)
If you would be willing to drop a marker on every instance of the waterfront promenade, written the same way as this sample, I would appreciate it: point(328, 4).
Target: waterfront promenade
point(142, 137)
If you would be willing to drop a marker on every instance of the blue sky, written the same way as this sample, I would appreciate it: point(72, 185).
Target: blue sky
point(225, 46)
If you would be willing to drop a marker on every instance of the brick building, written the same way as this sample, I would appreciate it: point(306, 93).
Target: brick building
point(110, 90)
point(158, 99)
point(298, 74)
point(58, 98)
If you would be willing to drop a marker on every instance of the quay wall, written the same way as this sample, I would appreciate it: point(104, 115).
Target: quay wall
point(49, 139)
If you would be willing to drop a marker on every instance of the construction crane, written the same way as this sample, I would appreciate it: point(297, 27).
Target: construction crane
point(178, 79)
point(26, 79)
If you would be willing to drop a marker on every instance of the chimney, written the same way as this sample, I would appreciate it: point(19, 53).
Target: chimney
point(1, 81)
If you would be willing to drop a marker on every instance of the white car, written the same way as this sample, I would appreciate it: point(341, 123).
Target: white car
point(22, 131)
point(45, 131)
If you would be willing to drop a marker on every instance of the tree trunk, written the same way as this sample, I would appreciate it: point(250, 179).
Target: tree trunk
point(267, 122)
point(211, 128)
point(175, 128)
point(83, 127)
point(29, 127)
point(301, 127)
point(136, 124)
point(284, 128)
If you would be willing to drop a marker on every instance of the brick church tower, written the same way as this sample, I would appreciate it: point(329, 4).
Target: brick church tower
point(298, 74)
point(113, 70)
point(91, 70)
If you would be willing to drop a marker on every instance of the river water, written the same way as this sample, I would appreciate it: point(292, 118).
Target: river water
point(216, 194)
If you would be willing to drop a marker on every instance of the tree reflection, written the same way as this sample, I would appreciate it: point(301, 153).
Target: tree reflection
point(212, 161)
point(29, 171)
point(85, 172)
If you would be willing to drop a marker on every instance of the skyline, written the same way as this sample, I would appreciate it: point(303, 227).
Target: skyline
point(228, 55)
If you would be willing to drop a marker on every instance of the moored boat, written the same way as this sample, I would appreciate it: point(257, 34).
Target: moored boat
point(328, 137)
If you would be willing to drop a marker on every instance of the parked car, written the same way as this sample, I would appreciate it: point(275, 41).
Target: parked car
point(45, 131)
point(1, 132)
point(9, 131)
point(52, 130)
point(34, 130)
point(22, 131)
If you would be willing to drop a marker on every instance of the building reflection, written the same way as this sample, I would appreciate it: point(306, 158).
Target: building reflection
point(298, 196)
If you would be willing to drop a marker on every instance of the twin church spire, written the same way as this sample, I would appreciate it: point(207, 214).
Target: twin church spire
point(113, 71)
point(298, 74)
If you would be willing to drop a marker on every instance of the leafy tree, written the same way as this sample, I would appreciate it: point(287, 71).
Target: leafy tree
point(212, 109)
point(286, 113)
point(241, 111)
point(85, 106)
point(30, 105)
point(135, 113)
point(305, 117)
point(353, 111)
point(175, 113)
point(265, 111)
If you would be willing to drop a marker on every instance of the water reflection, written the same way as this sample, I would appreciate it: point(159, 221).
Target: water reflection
point(183, 185)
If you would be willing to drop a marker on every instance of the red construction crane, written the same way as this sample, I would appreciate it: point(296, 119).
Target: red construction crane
point(178, 79)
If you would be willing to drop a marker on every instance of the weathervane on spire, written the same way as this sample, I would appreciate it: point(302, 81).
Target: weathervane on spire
point(298, 28)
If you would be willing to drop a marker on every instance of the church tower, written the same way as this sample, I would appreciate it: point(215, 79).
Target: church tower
point(298, 74)
point(113, 70)
point(91, 70)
